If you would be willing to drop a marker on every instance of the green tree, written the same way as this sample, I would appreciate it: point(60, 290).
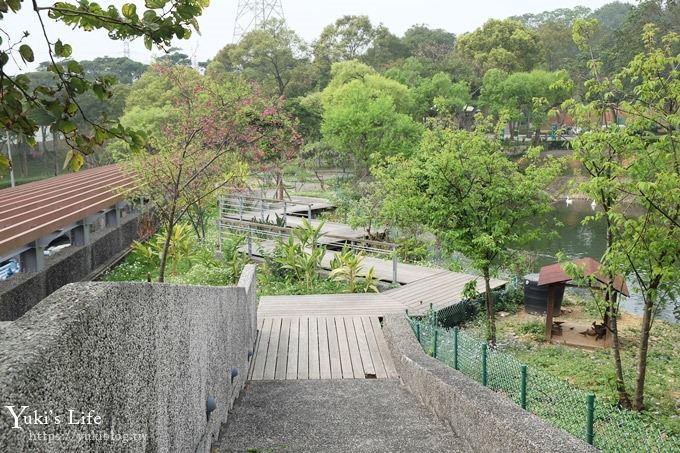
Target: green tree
point(439, 95)
point(475, 200)
point(525, 97)
point(25, 110)
point(431, 44)
point(638, 163)
point(503, 44)
point(365, 115)
point(272, 55)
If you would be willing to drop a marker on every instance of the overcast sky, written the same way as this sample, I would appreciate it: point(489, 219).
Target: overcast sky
point(307, 17)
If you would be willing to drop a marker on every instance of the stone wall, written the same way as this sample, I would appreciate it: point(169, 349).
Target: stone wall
point(146, 358)
point(22, 291)
point(482, 419)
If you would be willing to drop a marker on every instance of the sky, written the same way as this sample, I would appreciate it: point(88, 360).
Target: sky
point(306, 17)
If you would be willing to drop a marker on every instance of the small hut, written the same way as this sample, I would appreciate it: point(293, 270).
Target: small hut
point(554, 277)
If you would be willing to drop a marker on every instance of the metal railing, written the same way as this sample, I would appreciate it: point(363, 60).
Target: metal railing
point(255, 230)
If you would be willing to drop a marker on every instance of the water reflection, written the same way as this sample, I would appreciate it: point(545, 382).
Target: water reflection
point(577, 241)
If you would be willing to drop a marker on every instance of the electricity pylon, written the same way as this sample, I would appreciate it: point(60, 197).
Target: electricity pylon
point(251, 14)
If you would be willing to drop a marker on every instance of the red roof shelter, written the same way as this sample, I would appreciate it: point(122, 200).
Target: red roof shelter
point(554, 275)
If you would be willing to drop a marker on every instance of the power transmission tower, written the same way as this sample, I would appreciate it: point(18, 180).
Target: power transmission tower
point(126, 48)
point(251, 14)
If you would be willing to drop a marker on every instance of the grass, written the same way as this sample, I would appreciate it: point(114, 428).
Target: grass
point(593, 370)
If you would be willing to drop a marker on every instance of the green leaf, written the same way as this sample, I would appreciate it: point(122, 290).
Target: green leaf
point(74, 160)
point(4, 58)
point(129, 10)
point(66, 126)
point(62, 50)
point(5, 164)
point(26, 53)
point(74, 66)
point(15, 5)
point(155, 3)
point(42, 117)
point(148, 43)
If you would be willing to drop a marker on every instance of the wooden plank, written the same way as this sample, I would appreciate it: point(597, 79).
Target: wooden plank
point(292, 368)
point(343, 345)
point(384, 349)
point(282, 356)
point(261, 354)
point(369, 368)
point(376, 357)
point(333, 349)
point(251, 367)
point(313, 349)
point(324, 358)
point(303, 349)
point(355, 355)
point(272, 350)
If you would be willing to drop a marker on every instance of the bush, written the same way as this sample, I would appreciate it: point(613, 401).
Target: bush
point(535, 329)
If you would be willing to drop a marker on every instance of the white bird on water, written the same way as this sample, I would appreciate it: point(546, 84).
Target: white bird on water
point(593, 205)
point(569, 201)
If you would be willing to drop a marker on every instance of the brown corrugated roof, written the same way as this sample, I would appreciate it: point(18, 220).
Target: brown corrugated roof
point(554, 273)
point(31, 211)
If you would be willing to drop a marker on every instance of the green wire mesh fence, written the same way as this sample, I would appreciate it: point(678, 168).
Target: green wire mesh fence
point(600, 423)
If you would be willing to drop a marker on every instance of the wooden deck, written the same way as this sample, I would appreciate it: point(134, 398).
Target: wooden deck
point(329, 305)
point(441, 290)
point(321, 347)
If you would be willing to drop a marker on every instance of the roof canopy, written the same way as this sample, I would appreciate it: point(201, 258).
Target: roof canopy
point(554, 274)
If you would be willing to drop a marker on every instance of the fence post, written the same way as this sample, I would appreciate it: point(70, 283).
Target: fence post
point(590, 416)
point(285, 213)
point(455, 348)
point(394, 265)
point(484, 370)
point(240, 209)
point(418, 332)
point(434, 339)
point(262, 209)
point(309, 212)
point(250, 242)
point(523, 387)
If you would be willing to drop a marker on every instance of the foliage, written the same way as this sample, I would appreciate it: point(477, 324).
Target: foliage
point(299, 257)
point(204, 138)
point(412, 250)
point(528, 96)
point(26, 109)
point(346, 268)
point(507, 45)
point(638, 161)
point(473, 198)
point(535, 329)
point(364, 115)
point(439, 95)
point(272, 55)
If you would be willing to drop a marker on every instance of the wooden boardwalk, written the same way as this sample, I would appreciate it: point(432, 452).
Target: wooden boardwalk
point(370, 304)
point(321, 347)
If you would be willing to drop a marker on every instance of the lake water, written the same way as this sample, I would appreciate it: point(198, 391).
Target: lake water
point(577, 241)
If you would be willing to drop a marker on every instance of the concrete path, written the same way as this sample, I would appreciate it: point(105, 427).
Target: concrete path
point(333, 416)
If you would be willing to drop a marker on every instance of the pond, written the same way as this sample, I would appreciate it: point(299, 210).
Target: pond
point(577, 240)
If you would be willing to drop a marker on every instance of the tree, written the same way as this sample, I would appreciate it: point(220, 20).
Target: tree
point(347, 39)
point(272, 55)
point(504, 44)
point(474, 199)
point(365, 115)
point(431, 44)
point(24, 111)
point(529, 96)
point(439, 95)
point(204, 140)
point(387, 49)
point(637, 163)
point(174, 56)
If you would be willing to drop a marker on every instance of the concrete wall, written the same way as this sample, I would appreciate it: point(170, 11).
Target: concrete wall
point(485, 421)
point(22, 291)
point(143, 357)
